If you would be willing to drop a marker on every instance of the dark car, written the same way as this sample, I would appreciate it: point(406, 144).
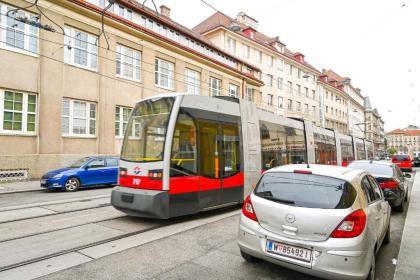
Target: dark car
point(403, 162)
point(88, 171)
point(416, 162)
point(390, 179)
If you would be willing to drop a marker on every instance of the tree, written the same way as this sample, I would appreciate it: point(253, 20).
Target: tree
point(392, 151)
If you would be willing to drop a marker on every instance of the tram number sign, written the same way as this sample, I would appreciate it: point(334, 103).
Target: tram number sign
point(136, 181)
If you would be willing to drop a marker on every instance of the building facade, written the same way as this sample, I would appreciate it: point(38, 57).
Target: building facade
point(406, 140)
point(374, 128)
point(290, 83)
point(69, 93)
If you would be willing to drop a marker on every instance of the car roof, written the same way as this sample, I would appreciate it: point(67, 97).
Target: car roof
point(344, 173)
point(385, 163)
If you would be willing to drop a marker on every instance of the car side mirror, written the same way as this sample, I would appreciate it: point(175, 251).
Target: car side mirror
point(86, 167)
point(389, 195)
point(407, 175)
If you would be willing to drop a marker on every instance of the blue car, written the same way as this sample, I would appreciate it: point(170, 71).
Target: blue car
point(85, 172)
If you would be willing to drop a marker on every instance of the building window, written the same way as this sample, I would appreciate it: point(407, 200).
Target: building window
point(314, 110)
point(313, 94)
point(78, 118)
point(269, 99)
point(233, 91)
point(231, 45)
point(215, 86)
point(249, 94)
point(128, 63)
point(192, 81)
point(290, 69)
point(269, 61)
point(17, 112)
point(298, 73)
point(164, 74)
point(289, 87)
point(298, 106)
point(326, 109)
point(306, 92)
point(280, 102)
point(269, 80)
point(306, 108)
point(122, 114)
point(258, 55)
point(280, 83)
point(280, 64)
point(245, 50)
point(15, 35)
point(297, 88)
point(289, 104)
point(80, 49)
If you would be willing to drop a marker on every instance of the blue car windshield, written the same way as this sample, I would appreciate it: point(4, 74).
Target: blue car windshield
point(79, 163)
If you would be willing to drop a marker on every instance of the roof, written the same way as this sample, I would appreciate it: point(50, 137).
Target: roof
point(409, 132)
point(344, 173)
point(218, 19)
point(341, 80)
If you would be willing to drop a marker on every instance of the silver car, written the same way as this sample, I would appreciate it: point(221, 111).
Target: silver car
point(326, 221)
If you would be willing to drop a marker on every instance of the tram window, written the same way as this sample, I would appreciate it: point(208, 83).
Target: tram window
point(209, 158)
point(325, 149)
point(347, 154)
point(231, 150)
point(295, 145)
point(360, 148)
point(184, 148)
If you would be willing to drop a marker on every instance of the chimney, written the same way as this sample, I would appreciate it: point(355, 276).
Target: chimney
point(299, 57)
point(323, 78)
point(341, 87)
point(358, 90)
point(165, 11)
point(247, 20)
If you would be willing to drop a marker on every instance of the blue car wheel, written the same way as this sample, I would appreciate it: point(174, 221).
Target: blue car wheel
point(72, 184)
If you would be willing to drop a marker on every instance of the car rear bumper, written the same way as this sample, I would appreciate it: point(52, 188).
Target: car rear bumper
point(141, 202)
point(331, 259)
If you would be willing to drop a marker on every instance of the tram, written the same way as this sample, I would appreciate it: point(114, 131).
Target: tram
point(183, 153)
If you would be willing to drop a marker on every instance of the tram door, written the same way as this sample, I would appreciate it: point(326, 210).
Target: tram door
point(219, 160)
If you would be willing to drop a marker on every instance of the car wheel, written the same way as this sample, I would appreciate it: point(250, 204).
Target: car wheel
point(400, 208)
point(248, 257)
point(372, 270)
point(72, 184)
point(387, 237)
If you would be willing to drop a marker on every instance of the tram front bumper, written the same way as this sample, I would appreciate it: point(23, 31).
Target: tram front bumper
point(141, 202)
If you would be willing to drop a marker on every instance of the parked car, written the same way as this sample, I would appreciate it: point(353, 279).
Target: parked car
point(416, 161)
point(326, 221)
point(403, 162)
point(85, 172)
point(389, 176)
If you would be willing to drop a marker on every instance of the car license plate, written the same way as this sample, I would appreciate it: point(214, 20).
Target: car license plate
point(43, 182)
point(289, 251)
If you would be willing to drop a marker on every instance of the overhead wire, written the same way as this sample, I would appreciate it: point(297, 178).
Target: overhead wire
point(111, 2)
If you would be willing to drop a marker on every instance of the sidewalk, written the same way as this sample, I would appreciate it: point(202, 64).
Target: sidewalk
point(23, 186)
point(409, 255)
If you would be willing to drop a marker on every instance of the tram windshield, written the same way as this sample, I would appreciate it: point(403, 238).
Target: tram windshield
point(149, 122)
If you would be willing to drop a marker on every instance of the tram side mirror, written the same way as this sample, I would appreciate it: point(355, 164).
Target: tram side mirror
point(389, 195)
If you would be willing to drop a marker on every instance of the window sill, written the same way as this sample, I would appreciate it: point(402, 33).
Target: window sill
point(79, 136)
point(81, 67)
point(166, 88)
point(7, 133)
point(128, 79)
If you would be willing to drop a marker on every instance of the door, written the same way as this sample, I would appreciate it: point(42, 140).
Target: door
point(95, 172)
point(374, 210)
point(232, 175)
point(111, 172)
point(209, 185)
point(383, 204)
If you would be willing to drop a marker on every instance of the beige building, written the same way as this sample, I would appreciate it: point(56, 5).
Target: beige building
point(290, 82)
point(68, 94)
point(374, 127)
point(335, 104)
point(406, 140)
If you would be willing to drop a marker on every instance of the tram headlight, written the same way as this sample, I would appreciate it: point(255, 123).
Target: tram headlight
point(155, 174)
point(123, 172)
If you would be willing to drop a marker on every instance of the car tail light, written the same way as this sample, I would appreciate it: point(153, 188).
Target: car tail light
point(389, 184)
point(352, 225)
point(123, 172)
point(302, 171)
point(248, 209)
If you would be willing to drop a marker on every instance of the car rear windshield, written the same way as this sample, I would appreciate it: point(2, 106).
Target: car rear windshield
point(401, 157)
point(306, 190)
point(375, 169)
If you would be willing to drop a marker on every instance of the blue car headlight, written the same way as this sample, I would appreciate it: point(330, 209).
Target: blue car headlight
point(58, 176)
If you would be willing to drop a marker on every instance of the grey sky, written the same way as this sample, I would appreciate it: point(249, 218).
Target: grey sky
point(375, 42)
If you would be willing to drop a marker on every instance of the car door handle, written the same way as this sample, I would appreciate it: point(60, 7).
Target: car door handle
point(377, 218)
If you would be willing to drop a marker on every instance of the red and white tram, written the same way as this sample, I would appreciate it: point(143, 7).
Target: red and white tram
point(183, 154)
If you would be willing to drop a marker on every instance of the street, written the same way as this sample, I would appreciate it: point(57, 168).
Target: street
point(79, 235)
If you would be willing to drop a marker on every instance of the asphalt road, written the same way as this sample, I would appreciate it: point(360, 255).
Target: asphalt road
point(43, 226)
